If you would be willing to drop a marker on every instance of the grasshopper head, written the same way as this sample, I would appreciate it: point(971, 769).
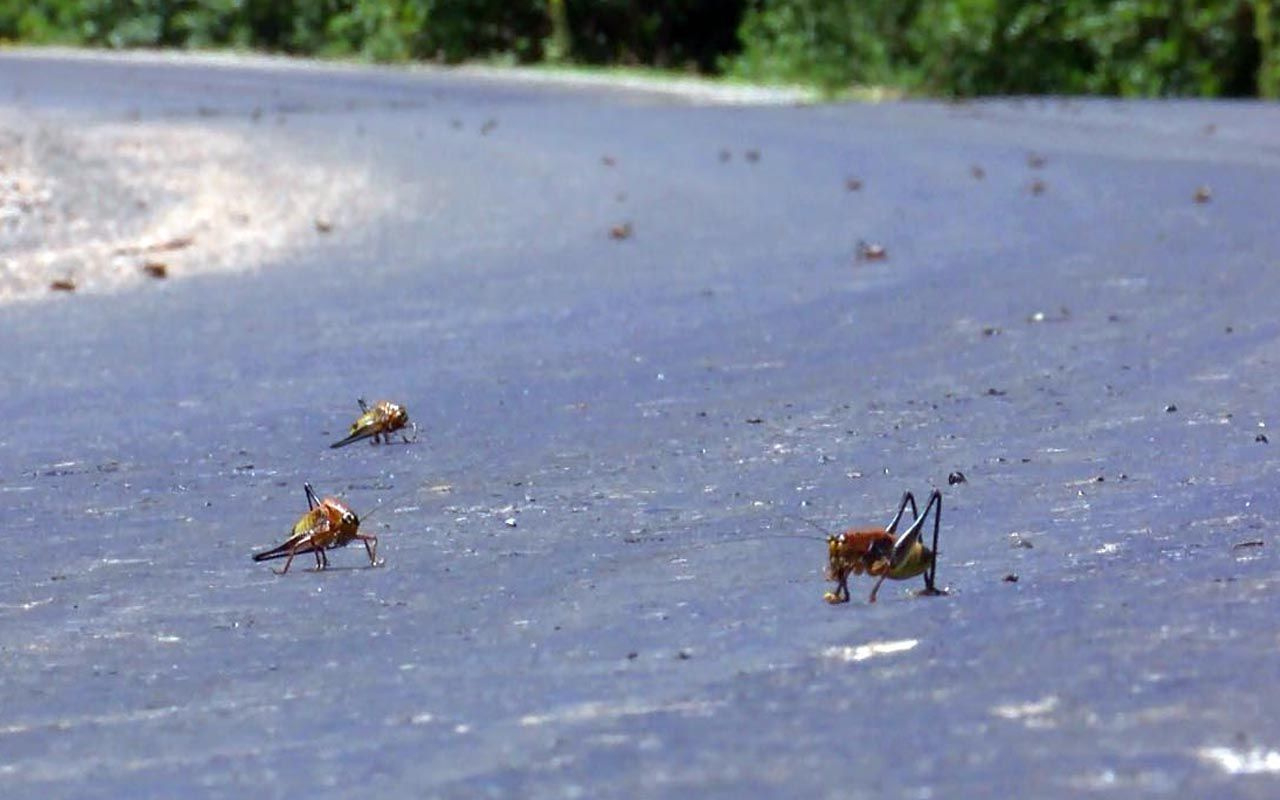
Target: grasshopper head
point(340, 515)
point(834, 557)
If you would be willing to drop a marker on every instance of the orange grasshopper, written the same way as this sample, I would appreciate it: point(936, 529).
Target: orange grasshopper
point(885, 553)
point(328, 523)
point(380, 422)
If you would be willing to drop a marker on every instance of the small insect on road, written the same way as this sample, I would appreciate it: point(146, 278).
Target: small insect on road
point(885, 554)
point(380, 421)
point(328, 524)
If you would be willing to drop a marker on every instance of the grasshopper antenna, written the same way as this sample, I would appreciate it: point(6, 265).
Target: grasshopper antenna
point(390, 503)
point(826, 534)
point(365, 517)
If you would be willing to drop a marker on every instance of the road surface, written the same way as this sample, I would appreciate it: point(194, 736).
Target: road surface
point(595, 581)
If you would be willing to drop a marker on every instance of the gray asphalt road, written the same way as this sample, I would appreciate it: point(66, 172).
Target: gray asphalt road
point(1099, 359)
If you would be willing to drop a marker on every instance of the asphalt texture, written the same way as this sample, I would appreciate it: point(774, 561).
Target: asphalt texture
point(595, 581)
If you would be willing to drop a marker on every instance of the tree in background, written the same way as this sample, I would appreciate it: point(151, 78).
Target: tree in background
point(1269, 45)
point(560, 44)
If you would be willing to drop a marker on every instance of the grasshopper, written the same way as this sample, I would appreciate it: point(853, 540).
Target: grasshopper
point(328, 523)
point(885, 553)
point(379, 422)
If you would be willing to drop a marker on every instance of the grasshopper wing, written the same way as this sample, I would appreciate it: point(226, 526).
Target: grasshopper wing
point(355, 436)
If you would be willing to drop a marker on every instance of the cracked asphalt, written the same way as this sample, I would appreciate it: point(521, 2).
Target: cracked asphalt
point(596, 583)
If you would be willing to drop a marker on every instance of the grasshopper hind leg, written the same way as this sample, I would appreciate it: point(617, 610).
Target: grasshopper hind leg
point(907, 499)
point(287, 562)
point(875, 589)
point(930, 588)
point(322, 560)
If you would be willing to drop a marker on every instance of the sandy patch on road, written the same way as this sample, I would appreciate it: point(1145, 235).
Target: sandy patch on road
point(103, 206)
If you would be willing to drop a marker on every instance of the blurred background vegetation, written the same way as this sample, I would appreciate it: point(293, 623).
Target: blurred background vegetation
point(1209, 48)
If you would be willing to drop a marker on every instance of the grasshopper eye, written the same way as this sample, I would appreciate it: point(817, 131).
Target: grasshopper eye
point(351, 519)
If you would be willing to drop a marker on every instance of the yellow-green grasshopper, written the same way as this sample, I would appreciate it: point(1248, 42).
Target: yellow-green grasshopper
point(328, 523)
point(885, 553)
point(379, 421)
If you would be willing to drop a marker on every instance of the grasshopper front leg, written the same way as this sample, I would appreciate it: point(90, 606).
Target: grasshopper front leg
point(841, 594)
point(370, 547)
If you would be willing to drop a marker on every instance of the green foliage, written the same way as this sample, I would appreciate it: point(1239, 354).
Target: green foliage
point(948, 47)
point(834, 43)
point(380, 30)
point(1269, 43)
point(456, 30)
point(986, 46)
point(969, 47)
point(35, 23)
point(1153, 48)
point(374, 29)
point(212, 23)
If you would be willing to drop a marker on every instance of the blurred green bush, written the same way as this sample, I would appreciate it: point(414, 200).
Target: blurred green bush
point(972, 47)
point(946, 47)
